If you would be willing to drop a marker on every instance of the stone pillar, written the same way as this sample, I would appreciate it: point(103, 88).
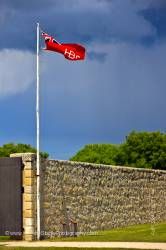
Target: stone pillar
point(29, 195)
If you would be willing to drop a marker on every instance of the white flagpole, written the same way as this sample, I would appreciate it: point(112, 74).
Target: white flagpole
point(38, 134)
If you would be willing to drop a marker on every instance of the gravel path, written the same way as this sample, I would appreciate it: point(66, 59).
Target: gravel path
point(139, 245)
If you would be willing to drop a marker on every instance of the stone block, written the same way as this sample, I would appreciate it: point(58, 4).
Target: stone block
point(29, 173)
point(29, 230)
point(28, 222)
point(28, 190)
point(28, 181)
point(28, 205)
point(28, 237)
point(26, 157)
point(28, 165)
point(28, 197)
point(28, 213)
point(46, 205)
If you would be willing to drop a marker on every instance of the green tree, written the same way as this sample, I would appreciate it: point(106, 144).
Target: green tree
point(10, 148)
point(144, 149)
point(140, 149)
point(97, 153)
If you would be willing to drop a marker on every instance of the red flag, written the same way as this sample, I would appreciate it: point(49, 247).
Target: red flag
point(71, 51)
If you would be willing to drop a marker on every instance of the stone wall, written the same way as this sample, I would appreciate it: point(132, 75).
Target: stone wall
point(100, 197)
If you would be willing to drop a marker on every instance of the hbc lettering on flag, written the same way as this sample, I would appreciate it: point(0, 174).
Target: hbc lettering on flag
point(71, 51)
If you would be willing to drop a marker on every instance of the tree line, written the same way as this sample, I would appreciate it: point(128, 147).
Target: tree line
point(11, 148)
point(140, 149)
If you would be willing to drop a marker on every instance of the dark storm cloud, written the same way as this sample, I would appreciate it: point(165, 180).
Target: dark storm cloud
point(28, 5)
point(75, 20)
point(97, 56)
point(158, 3)
point(156, 14)
point(106, 100)
point(100, 100)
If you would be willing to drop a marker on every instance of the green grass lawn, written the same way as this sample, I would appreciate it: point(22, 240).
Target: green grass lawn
point(4, 238)
point(140, 233)
point(61, 248)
